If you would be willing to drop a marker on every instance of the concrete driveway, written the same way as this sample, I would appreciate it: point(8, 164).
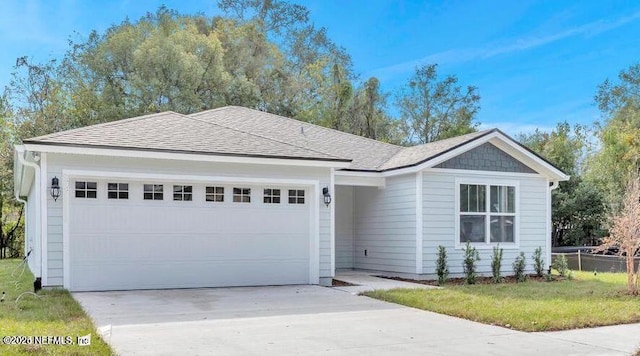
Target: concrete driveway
point(310, 320)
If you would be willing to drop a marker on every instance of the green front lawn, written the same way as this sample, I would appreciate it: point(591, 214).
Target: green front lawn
point(585, 301)
point(54, 314)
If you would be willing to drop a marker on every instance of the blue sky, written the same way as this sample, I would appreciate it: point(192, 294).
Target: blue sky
point(535, 62)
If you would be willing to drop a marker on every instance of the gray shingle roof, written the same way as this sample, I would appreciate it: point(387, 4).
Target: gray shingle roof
point(169, 131)
point(411, 156)
point(366, 154)
point(239, 131)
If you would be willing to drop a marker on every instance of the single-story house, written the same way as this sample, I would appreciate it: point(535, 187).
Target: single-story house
point(239, 197)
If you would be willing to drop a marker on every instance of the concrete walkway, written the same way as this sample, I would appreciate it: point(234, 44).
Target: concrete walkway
point(364, 281)
point(313, 320)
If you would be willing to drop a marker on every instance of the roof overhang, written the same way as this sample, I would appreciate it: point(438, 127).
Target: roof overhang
point(495, 137)
point(22, 176)
point(184, 155)
point(360, 179)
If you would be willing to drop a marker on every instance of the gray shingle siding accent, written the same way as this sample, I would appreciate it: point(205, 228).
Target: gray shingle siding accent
point(486, 157)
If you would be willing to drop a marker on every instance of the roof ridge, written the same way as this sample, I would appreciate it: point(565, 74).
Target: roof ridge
point(102, 124)
point(300, 121)
point(264, 137)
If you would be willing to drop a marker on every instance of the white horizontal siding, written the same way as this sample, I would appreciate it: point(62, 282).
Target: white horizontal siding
point(344, 226)
point(385, 226)
point(439, 221)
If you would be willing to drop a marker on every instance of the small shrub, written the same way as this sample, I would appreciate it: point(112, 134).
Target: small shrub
point(441, 265)
point(538, 262)
point(561, 265)
point(518, 268)
point(496, 264)
point(548, 277)
point(471, 256)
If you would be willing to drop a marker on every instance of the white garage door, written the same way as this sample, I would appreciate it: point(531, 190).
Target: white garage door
point(121, 238)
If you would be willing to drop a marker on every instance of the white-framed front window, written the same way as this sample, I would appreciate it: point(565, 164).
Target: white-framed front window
point(487, 213)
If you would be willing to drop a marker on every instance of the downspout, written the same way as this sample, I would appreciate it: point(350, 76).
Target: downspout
point(552, 186)
point(36, 168)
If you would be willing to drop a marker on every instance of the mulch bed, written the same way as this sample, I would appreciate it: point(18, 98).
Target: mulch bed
point(479, 280)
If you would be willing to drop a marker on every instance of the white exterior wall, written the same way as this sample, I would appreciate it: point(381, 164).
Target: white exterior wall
point(385, 226)
point(59, 162)
point(440, 217)
point(343, 201)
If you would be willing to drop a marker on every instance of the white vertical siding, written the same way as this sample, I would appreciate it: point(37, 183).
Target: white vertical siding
point(440, 216)
point(385, 226)
point(344, 226)
point(58, 162)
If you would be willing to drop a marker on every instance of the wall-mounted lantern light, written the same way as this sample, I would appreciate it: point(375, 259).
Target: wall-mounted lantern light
point(326, 195)
point(55, 188)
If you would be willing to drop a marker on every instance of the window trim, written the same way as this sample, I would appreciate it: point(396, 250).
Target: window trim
point(488, 182)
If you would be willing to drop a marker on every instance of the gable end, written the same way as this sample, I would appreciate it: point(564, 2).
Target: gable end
point(486, 157)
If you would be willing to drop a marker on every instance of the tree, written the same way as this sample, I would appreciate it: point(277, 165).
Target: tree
point(38, 97)
point(317, 71)
point(433, 109)
point(162, 62)
point(612, 97)
point(368, 114)
point(273, 16)
point(625, 231)
point(11, 223)
point(577, 205)
point(619, 154)
point(619, 135)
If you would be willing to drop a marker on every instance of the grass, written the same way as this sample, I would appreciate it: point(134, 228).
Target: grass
point(54, 313)
point(585, 301)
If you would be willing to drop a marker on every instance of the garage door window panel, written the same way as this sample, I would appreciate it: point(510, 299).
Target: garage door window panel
point(214, 194)
point(153, 192)
point(241, 195)
point(86, 190)
point(118, 190)
point(296, 196)
point(271, 196)
point(182, 192)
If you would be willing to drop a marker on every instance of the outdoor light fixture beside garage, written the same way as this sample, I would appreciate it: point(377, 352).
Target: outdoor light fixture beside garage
point(55, 188)
point(327, 196)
